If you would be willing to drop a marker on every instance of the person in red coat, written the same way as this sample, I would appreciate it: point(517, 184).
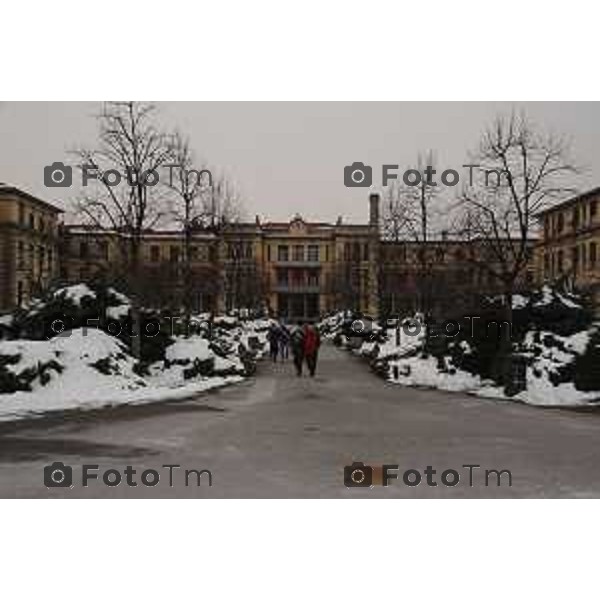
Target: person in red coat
point(311, 344)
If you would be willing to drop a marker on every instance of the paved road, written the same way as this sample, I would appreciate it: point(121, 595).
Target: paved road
point(282, 436)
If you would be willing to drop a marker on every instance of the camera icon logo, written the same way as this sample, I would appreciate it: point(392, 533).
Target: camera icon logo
point(58, 475)
point(358, 475)
point(58, 175)
point(359, 326)
point(358, 175)
point(58, 325)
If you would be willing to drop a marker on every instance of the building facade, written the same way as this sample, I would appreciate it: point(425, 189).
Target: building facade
point(294, 270)
point(568, 251)
point(29, 249)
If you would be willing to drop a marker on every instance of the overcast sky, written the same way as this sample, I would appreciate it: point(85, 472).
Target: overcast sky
point(289, 157)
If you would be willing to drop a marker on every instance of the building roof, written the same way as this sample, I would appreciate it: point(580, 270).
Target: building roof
point(6, 190)
point(85, 229)
point(573, 200)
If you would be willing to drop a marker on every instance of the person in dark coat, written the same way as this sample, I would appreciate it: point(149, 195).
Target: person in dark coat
point(273, 339)
point(297, 343)
point(284, 342)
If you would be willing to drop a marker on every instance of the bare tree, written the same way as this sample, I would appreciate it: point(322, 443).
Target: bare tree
point(122, 174)
point(409, 214)
point(519, 171)
point(190, 186)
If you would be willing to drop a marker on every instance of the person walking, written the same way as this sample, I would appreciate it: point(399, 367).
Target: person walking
point(284, 343)
point(297, 343)
point(273, 339)
point(311, 344)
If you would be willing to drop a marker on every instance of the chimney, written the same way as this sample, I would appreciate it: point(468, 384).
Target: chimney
point(374, 210)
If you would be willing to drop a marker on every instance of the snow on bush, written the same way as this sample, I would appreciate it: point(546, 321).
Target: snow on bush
point(552, 333)
point(87, 367)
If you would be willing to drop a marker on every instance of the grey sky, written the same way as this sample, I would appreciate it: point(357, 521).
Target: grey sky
point(288, 157)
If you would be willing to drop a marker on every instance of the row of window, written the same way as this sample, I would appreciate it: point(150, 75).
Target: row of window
point(583, 257)
point(99, 250)
point(582, 215)
point(33, 221)
point(296, 253)
point(176, 253)
point(298, 277)
point(400, 253)
point(30, 255)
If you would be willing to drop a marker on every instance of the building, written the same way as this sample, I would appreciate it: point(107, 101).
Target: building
point(567, 254)
point(29, 258)
point(294, 270)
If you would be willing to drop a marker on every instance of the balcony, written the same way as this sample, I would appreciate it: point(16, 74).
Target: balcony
point(297, 263)
point(285, 288)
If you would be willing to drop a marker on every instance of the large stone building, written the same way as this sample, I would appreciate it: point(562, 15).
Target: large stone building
point(295, 270)
point(29, 258)
point(568, 252)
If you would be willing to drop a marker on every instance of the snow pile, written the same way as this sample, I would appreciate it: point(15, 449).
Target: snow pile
point(554, 351)
point(427, 372)
point(90, 369)
point(551, 374)
point(90, 366)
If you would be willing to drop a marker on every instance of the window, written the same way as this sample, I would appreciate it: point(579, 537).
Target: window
point(582, 253)
point(31, 221)
point(346, 251)
point(20, 293)
point(154, 253)
point(103, 250)
point(282, 253)
point(592, 254)
point(41, 258)
point(561, 222)
point(365, 251)
point(249, 250)
point(575, 218)
point(282, 277)
point(313, 278)
point(546, 265)
point(269, 252)
point(21, 214)
point(356, 252)
point(20, 255)
point(193, 250)
point(593, 208)
point(83, 250)
point(298, 253)
point(559, 261)
point(575, 258)
point(174, 254)
point(50, 256)
point(313, 253)
point(297, 278)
